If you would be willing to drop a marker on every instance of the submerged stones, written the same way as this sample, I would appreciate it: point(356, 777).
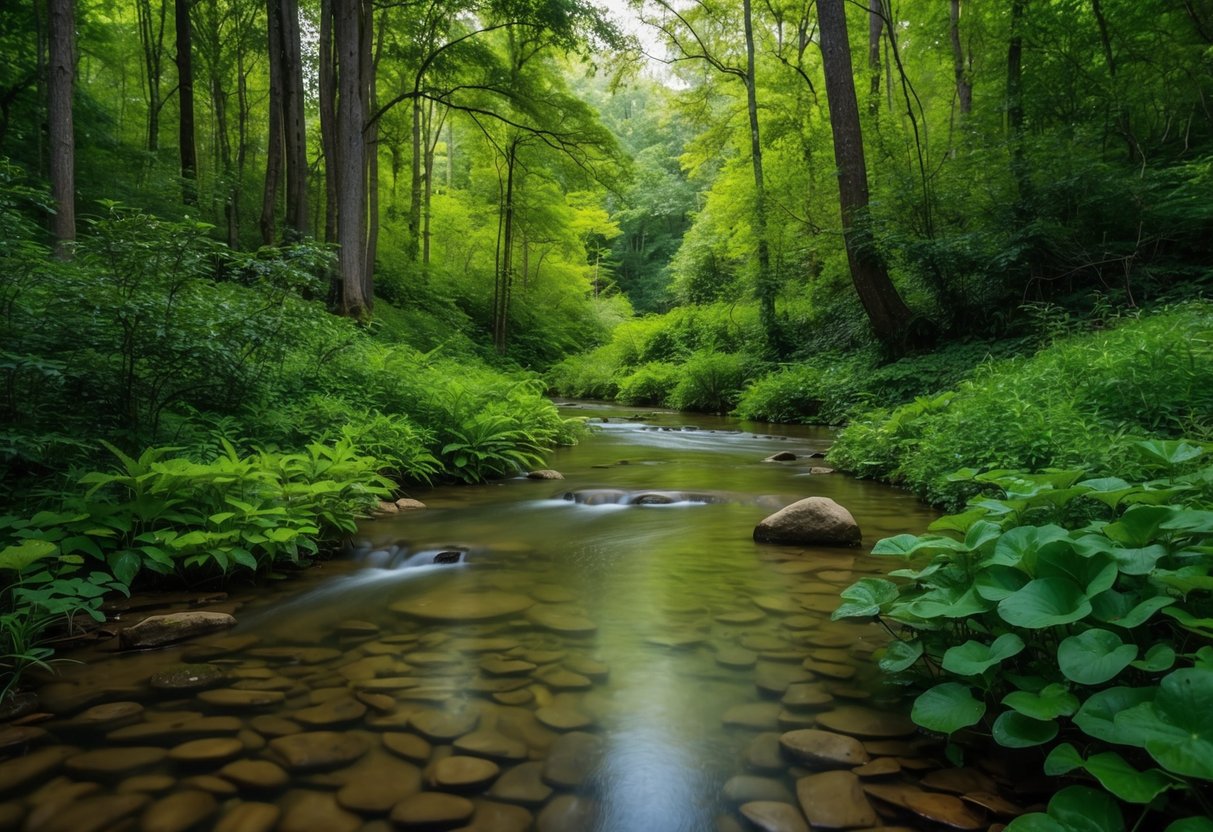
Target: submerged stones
point(466, 606)
point(318, 750)
point(159, 630)
point(812, 521)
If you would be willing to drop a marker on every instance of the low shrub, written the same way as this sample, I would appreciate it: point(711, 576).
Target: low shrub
point(711, 382)
point(650, 384)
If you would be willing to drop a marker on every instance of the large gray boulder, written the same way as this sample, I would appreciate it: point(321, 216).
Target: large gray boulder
point(815, 520)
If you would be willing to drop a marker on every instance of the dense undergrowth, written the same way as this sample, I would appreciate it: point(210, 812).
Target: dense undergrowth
point(172, 410)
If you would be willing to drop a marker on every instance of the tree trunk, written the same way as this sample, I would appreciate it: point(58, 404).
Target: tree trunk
point(61, 67)
point(1015, 131)
point(185, 100)
point(274, 138)
point(964, 84)
point(370, 136)
point(415, 184)
point(351, 157)
point(294, 127)
point(327, 83)
point(764, 284)
point(505, 274)
point(885, 309)
point(151, 39)
point(875, 28)
point(1123, 125)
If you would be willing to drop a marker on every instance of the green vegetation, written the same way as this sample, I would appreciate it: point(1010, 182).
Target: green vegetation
point(1069, 614)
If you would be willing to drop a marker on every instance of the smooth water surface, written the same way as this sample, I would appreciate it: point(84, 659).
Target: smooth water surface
point(620, 574)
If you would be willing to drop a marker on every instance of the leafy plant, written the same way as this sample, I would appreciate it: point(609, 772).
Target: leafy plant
point(1066, 613)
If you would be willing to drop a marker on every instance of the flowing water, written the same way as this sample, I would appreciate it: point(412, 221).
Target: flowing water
point(614, 643)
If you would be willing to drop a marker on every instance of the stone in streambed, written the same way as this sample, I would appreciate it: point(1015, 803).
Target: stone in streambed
point(378, 787)
point(571, 759)
point(781, 456)
point(443, 726)
point(339, 711)
point(213, 750)
point(806, 696)
point(111, 762)
point(178, 812)
point(563, 718)
point(492, 746)
point(159, 630)
point(462, 606)
point(318, 750)
point(759, 716)
point(522, 784)
point(94, 814)
point(236, 699)
point(545, 474)
point(745, 788)
point(255, 775)
point(498, 817)
point(407, 746)
point(858, 721)
point(823, 749)
point(431, 810)
point(568, 813)
point(249, 817)
point(812, 521)
point(187, 678)
point(772, 816)
point(463, 774)
point(312, 811)
point(834, 800)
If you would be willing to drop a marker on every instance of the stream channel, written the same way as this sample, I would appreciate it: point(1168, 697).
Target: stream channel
point(610, 663)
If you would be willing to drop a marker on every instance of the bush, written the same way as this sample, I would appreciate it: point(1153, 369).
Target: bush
point(711, 382)
point(651, 384)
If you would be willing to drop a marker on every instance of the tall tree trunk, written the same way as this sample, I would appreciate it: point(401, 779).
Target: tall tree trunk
point(351, 157)
point(61, 67)
point(151, 39)
point(875, 28)
point(274, 138)
point(328, 120)
point(1014, 106)
point(1123, 125)
point(885, 309)
point(964, 84)
point(370, 136)
point(505, 273)
point(433, 135)
point(185, 99)
point(294, 127)
point(764, 284)
point(415, 183)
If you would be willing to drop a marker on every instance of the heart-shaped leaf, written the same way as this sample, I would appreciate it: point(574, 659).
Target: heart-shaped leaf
point(1051, 702)
point(865, 598)
point(1014, 730)
point(900, 655)
point(947, 707)
point(973, 657)
point(1096, 716)
point(1073, 809)
point(1094, 656)
point(24, 554)
point(1045, 602)
point(1177, 725)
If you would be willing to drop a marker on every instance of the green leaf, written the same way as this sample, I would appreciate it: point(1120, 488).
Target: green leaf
point(125, 565)
point(1139, 614)
point(1014, 730)
point(901, 545)
point(19, 557)
point(1022, 545)
point(997, 582)
point(1063, 759)
point(1045, 602)
point(1097, 715)
point(1192, 824)
point(1094, 656)
point(1138, 526)
point(1093, 574)
point(1126, 782)
point(1177, 725)
point(900, 655)
point(947, 707)
point(1158, 658)
point(865, 598)
point(1049, 703)
point(1073, 809)
point(1185, 619)
point(958, 522)
point(1168, 452)
point(973, 657)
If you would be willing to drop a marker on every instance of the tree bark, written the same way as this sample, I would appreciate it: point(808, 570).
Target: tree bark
point(875, 28)
point(61, 68)
point(274, 137)
point(415, 183)
point(885, 309)
point(294, 127)
point(1014, 105)
point(327, 83)
point(370, 136)
point(764, 283)
point(505, 271)
point(964, 84)
point(185, 100)
point(351, 157)
point(151, 38)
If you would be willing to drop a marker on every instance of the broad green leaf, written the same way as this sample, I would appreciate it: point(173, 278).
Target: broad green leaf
point(958, 522)
point(1073, 809)
point(865, 598)
point(973, 657)
point(1130, 561)
point(900, 655)
point(946, 708)
point(1049, 703)
point(22, 555)
point(1138, 526)
point(1191, 520)
point(997, 582)
point(1096, 716)
point(1022, 545)
point(1177, 726)
point(1192, 824)
point(1185, 579)
point(1168, 452)
point(1134, 616)
point(1045, 602)
point(1093, 574)
point(1094, 656)
point(1063, 759)
point(1014, 730)
point(1158, 658)
point(1185, 619)
point(1108, 490)
point(953, 602)
point(125, 565)
point(1126, 782)
point(981, 534)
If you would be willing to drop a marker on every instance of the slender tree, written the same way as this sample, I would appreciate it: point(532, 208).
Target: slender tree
point(294, 127)
point(185, 99)
point(961, 63)
point(61, 30)
point(274, 136)
point(885, 309)
point(350, 149)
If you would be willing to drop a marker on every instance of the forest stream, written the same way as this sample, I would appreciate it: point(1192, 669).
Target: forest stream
point(595, 659)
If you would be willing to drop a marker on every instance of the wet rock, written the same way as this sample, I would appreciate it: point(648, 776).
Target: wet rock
point(831, 670)
point(880, 767)
point(522, 784)
point(408, 504)
point(994, 803)
point(558, 678)
point(159, 630)
point(407, 746)
point(463, 774)
point(187, 677)
point(772, 816)
point(54, 796)
point(147, 783)
point(568, 813)
point(757, 716)
point(945, 809)
point(765, 754)
point(745, 788)
point(107, 716)
point(296, 655)
point(735, 657)
point(806, 696)
point(249, 817)
point(561, 619)
point(782, 456)
point(958, 781)
point(491, 745)
point(210, 783)
point(834, 800)
point(431, 810)
point(219, 647)
point(858, 721)
point(463, 606)
point(740, 617)
point(812, 521)
point(255, 775)
point(444, 726)
point(779, 604)
point(178, 812)
point(11, 814)
point(596, 496)
point(94, 814)
point(112, 762)
point(272, 725)
point(513, 697)
point(571, 759)
point(498, 817)
point(500, 666)
point(545, 474)
point(675, 640)
point(385, 509)
point(312, 811)
point(795, 720)
point(318, 750)
point(213, 750)
point(175, 729)
point(451, 556)
point(376, 788)
point(13, 737)
point(823, 749)
point(820, 470)
point(240, 700)
point(775, 679)
point(340, 711)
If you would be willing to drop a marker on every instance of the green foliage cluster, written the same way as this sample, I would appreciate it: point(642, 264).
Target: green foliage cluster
point(1083, 400)
point(1071, 614)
